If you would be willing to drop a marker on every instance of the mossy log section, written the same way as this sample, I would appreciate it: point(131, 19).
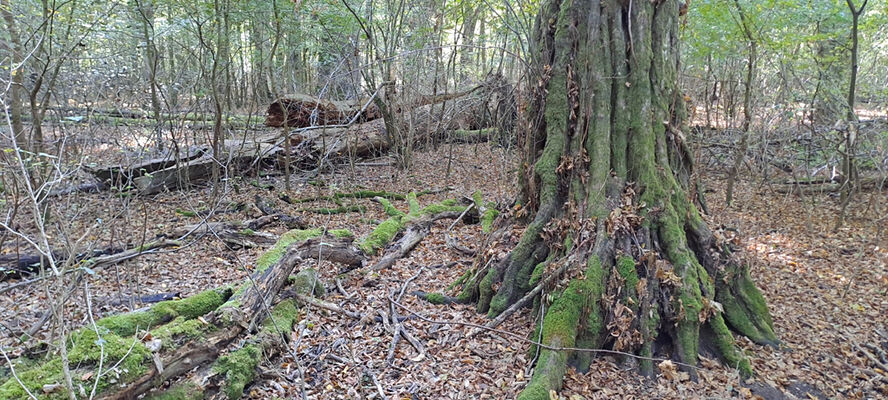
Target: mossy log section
point(184, 334)
point(386, 231)
point(605, 186)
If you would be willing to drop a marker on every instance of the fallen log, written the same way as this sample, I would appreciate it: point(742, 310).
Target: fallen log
point(120, 176)
point(300, 110)
point(199, 170)
point(415, 225)
point(240, 234)
point(829, 186)
point(117, 359)
point(18, 265)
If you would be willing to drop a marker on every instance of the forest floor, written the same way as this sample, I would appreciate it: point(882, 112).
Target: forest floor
point(828, 292)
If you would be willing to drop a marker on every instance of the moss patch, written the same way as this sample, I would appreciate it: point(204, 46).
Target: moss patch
point(435, 298)
point(179, 330)
point(490, 215)
point(188, 308)
point(388, 229)
point(380, 236)
point(390, 209)
point(275, 253)
point(306, 283)
point(85, 349)
point(239, 369)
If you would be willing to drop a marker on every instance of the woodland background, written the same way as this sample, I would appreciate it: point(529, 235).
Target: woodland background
point(112, 201)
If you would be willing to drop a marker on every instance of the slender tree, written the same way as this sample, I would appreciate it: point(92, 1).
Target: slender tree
point(752, 49)
point(613, 233)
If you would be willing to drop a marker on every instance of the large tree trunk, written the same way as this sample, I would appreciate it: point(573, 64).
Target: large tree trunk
point(605, 185)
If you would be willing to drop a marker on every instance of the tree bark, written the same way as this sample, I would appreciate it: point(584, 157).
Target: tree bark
point(18, 74)
point(605, 187)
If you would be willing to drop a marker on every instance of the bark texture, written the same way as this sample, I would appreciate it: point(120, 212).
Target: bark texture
point(606, 189)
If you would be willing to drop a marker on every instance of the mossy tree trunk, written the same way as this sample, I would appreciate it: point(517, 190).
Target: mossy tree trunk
point(606, 189)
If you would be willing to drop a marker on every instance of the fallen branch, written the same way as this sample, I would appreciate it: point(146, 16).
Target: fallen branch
point(184, 334)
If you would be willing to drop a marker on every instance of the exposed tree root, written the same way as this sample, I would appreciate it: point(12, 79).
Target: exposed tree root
point(606, 188)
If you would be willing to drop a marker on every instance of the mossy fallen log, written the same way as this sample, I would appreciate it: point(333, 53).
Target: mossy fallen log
point(126, 355)
point(398, 221)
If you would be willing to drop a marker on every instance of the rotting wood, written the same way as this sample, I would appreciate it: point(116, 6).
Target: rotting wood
point(300, 110)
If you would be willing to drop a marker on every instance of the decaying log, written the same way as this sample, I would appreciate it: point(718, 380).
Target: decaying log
point(411, 237)
point(830, 186)
point(299, 111)
point(234, 159)
point(187, 334)
point(90, 187)
point(17, 265)
point(240, 234)
point(121, 176)
point(413, 234)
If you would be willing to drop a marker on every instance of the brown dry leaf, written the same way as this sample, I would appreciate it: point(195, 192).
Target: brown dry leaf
point(668, 369)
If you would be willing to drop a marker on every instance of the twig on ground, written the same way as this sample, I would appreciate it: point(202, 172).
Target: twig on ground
point(326, 305)
point(348, 296)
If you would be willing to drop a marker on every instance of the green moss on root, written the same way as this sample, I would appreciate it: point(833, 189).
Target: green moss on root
point(591, 288)
point(435, 298)
point(485, 290)
point(537, 274)
point(462, 279)
point(626, 269)
point(559, 330)
point(724, 342)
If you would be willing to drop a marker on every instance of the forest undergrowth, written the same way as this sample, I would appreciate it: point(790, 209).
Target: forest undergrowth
point(828, 291)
